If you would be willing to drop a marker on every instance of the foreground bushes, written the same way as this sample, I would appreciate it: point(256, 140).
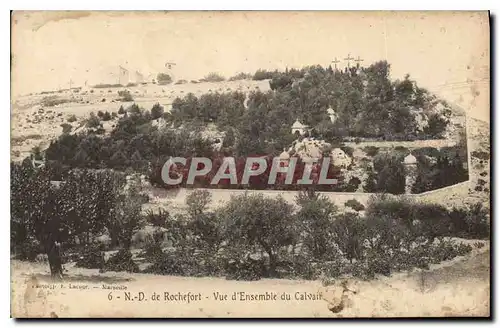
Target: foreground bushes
point(253, 237)
point(317, 241)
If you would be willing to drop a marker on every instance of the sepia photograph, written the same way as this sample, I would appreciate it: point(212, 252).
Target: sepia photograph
point(250, 164)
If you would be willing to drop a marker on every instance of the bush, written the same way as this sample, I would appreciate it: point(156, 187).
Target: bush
point(51, 101)
point(28, 249)
point(92, 258)
point(354, 204)
point(165, 264)
point(125, 95)
point(353, 184)
point(66, 127)
point(280, 82)
point(198, 200)
point(257, 222)
point(93, 121)
point(482, 155)
point(470, 222)
point(100, 114)
point(134, 109)
point(121, 110)
point(371, 150)
point(104, 85)
point(106, 116)
point(163, 79)
point(156, 111)
point(72, 119)
point(264, 75)
point(348, 150)
point(241, 76)
point(348, 232)
point(181, 82)
point(121, 261)
point(213, 77)
point(245, 268)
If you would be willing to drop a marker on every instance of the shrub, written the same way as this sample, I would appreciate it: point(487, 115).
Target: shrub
point(92, 258)
point(244, 267)
point(371, 150)
point(213, 77)
point(355, 205)
point(197, 201)
point(72, 119)
point(100, 114)
point(134, 109)
point(353, 184)
point(348, 150)
point(121, 261)
point(389, 173)
point(121, 110)
point(482, 155)
point(106, 116)
point(280, 82)
point(66, 127)
point(181, 82)
point(93, 121)
point(156, 111)
point(470, 222)
point(315, 218)
point(255, 221)
point(264, 75)
point(104, 85)
point(348, 232)
point(125, 95)
point(241, 76)
point(51, 101)
point(165, 264)
point(163, 79)
point(28, 249)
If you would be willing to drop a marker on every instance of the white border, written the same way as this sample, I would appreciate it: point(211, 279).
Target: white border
point(493, 5)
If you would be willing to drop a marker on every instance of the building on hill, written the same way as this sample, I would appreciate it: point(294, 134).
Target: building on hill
point(332, 114)
point(300, 128)
point(410, 164)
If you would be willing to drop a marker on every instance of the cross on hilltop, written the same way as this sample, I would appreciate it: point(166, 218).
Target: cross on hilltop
point(358, 60)
point(335, 62)
point(349, 58)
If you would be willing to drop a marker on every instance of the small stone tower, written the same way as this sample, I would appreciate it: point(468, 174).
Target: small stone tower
point(410, 163)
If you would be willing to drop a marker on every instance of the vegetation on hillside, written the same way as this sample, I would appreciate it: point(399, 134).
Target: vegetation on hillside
point(250, 237)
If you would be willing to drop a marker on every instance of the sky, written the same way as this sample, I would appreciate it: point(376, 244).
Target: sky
point(447, 52)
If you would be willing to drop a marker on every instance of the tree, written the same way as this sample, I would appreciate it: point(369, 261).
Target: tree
point(348, 233)
point(197, 201)
point(436, 125)
point(125, 95)
point(156, 111)
point(55, 214)
point(252, 220)
point(389, 173)
point(126, 217)
point(163, 79)
point(315, 218)
point(93, 121)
